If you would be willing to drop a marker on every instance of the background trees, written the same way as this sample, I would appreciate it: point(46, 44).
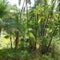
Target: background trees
point(31, 28)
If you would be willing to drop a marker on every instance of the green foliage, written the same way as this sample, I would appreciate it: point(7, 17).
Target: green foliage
point(27, 26)
point(2, 9)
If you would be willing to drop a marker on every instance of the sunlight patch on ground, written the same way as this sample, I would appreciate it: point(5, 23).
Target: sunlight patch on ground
point(6, 40)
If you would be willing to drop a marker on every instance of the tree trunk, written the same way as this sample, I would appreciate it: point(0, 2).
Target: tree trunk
point(16, 40)
point(50, 42)
point(45, 49)
point(11, 41)
point(0, 31)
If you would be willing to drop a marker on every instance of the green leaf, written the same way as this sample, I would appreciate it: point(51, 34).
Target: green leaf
point(31, 35)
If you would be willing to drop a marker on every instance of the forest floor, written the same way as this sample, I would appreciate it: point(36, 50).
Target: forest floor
point(12, 54)
point(18, 54)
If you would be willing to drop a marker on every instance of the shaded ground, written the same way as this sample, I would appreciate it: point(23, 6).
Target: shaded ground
point(12, 54)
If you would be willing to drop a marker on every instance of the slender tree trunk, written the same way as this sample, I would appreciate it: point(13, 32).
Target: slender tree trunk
point(27, 14)
point(59, 18)
point(45, 49)
point(17, 39)
point(50, 42)
point(0, 31)
point(11, 41)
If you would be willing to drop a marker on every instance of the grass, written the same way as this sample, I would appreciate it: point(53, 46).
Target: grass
point(12, 54)
point(18, 54)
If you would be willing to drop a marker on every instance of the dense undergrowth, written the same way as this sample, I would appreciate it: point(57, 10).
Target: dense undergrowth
point(12, 54)
point(25, 54)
